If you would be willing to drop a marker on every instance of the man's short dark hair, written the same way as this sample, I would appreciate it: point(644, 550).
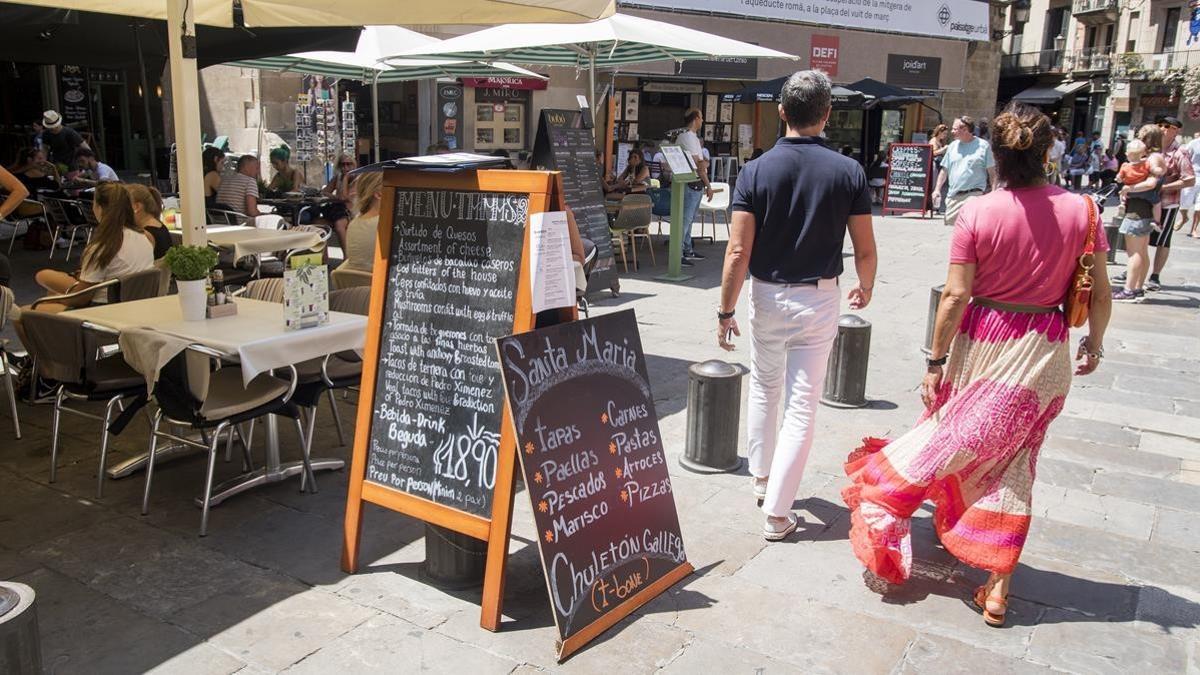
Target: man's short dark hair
point(968, 122)
point(1096, 134)
point(691, 115)
point(244, 160)
point(84, 152)
point(806, 98)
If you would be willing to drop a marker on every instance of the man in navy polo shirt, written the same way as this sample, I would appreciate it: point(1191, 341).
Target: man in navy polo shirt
point(791, 212)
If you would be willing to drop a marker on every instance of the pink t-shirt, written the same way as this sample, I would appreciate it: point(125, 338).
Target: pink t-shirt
point(1024, 243)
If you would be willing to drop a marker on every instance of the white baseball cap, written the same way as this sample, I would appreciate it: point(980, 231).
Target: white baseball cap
point(51, 119)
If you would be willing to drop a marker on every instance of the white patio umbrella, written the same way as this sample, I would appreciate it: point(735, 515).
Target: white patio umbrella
point(284, 13)
point(182, 16)
point(364, 64)
point(618, 40)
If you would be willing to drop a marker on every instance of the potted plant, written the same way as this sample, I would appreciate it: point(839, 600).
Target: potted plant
point(190, 265)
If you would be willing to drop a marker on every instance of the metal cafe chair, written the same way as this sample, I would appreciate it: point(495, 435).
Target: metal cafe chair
point(225, 217)
point(20, 226)
point(633, 223)
point(196, 389)
point(66, 218)
point(7, 302)
point(74, 354)
point(718, 205)
point(342, 370)
point(148, 283)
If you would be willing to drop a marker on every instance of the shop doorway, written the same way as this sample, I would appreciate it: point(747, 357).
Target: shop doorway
point(110, 118)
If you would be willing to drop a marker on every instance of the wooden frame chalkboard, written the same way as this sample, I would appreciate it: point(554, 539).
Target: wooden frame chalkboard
point(909, 171)
point(451, 218)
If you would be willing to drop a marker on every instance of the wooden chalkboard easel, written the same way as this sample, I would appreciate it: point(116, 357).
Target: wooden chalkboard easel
point(544, 192)
point(909, 171)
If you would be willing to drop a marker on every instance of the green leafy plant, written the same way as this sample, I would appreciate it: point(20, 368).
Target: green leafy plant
point(191, 263)
point(1191, 84)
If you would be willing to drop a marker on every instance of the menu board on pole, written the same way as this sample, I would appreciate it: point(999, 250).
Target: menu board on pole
point(451, 274)
point(563, 144)
point(592, 457)
point(909, 171)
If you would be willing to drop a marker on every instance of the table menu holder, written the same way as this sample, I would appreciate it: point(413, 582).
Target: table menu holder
point(218, 311)
point(306, 297)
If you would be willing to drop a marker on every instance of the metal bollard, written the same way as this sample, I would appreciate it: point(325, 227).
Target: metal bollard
point(1115, 240)
point(935, 299)
point(714, 408)
point(453, 560)
point(846, 381)
point(20, 642)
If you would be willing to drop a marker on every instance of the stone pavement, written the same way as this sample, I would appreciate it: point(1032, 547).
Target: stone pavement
point(1107, 584)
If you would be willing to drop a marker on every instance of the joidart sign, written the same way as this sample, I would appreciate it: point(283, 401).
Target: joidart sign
point(919, 72)
point(961, 19)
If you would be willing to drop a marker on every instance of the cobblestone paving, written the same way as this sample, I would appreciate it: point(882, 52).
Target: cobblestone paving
point(1107, 583)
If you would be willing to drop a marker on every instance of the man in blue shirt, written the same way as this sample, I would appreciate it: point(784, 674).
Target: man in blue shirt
point(791, 212)
point(967, 166)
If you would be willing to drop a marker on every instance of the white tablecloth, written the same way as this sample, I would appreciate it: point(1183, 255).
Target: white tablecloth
point(244, 241)
point(255, 336)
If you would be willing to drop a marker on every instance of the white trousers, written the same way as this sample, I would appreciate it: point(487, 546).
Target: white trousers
point(792, 331)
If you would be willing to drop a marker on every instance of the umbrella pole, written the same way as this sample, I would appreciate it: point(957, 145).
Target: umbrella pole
point(137, 38)
point(375, 113)
point(592, 88)
point(185, 79)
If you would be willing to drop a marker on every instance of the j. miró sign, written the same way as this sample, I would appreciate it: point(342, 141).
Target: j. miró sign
point(961, 19)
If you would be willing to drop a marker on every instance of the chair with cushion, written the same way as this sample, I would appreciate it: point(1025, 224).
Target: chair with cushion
point(661, 198)
point(196, 389)
point(633, 223)
point(267, 290)
point(72, 353)
point(6, 306)
point(344, 277)
point(711, 209)
point(342, 370)
point(148, 283)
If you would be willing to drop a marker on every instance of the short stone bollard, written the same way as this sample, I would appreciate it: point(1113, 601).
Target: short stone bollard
point(453, 560)
point(935, 299)
point(20, 642)
point(714, 410)
point(846, 379)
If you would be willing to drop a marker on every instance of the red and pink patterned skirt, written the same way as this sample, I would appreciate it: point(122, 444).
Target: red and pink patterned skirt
point(974, 454)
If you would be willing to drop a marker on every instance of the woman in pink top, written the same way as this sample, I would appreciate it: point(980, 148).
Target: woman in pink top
point(974, 451)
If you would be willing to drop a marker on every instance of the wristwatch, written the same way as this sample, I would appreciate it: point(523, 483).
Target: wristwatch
point(725, 315)
point(937, 362)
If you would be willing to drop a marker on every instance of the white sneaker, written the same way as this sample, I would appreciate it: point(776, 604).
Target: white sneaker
point(760, 487)
point(62, 243)
point(777, 529)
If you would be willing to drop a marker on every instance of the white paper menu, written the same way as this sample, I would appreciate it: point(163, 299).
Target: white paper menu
point(553, 281)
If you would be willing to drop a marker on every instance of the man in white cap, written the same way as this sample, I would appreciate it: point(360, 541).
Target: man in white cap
point(62, 142)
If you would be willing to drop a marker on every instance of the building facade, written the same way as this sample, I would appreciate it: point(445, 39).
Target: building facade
point(1102, 65)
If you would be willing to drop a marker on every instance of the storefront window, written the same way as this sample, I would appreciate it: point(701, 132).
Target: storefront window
point(845, 130)
point(500, 126)
point(892, 129)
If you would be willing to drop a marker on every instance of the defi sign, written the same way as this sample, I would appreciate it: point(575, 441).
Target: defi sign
point(824, 54)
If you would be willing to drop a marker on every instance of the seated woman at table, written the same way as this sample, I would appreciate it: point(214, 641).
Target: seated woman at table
point(118, 247)
point(287, 178)
point(636, 176)
point(341, 190)
point(213, 161)
point(147, 213)
point(35, 171)
point(359, 250)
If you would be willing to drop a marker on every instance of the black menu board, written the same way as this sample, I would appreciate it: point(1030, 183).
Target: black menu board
point(592, 457)
point(564, 144)
point(74, 105)
point(908, 176)
point(452, 277)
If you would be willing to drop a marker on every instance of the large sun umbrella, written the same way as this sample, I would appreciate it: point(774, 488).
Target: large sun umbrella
point(296, 13)
point(364, 64)
point(619, 40)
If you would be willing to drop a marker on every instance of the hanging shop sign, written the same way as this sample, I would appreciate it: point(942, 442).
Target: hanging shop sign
point(674, 87)
point(918, 72)
point(823, 55)
point(529, 83)
point(450, 115)
point(960, 19)
point(733, 68)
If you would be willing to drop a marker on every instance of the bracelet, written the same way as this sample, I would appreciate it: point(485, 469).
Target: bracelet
point(933, 363)
point(723, 316)
point(1086, 344)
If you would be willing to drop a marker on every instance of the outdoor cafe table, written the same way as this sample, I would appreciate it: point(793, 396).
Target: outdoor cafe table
point(244, 241)
point(255, 337)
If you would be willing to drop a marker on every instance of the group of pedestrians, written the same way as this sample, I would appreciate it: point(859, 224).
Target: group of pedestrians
point(1000, 366)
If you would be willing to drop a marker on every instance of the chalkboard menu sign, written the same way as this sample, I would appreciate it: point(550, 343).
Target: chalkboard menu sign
point(563, 144)
point(907, 187)
point(451, 274)
point(73, 94)
point(592, 457)
point(451, 290)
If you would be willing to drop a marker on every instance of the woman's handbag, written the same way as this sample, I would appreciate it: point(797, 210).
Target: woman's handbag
point(1079, 295)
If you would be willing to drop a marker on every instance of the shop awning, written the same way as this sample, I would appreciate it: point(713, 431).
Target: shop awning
point(770, 91)
point(1041, 95)
point(886, 94)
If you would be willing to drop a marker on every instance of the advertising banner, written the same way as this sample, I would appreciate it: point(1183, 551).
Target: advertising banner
point(959, 19)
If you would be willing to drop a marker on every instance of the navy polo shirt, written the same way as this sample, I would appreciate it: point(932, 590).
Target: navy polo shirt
point(802, 195)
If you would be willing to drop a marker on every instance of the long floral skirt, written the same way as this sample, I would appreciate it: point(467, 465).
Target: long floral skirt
point(974, 453)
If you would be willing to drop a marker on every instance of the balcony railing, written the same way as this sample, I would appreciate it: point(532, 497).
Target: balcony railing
point(1154, 66)
point(1056, 61)
point(1085, 6)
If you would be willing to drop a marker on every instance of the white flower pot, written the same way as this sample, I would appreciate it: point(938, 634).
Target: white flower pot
point(193, 299)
